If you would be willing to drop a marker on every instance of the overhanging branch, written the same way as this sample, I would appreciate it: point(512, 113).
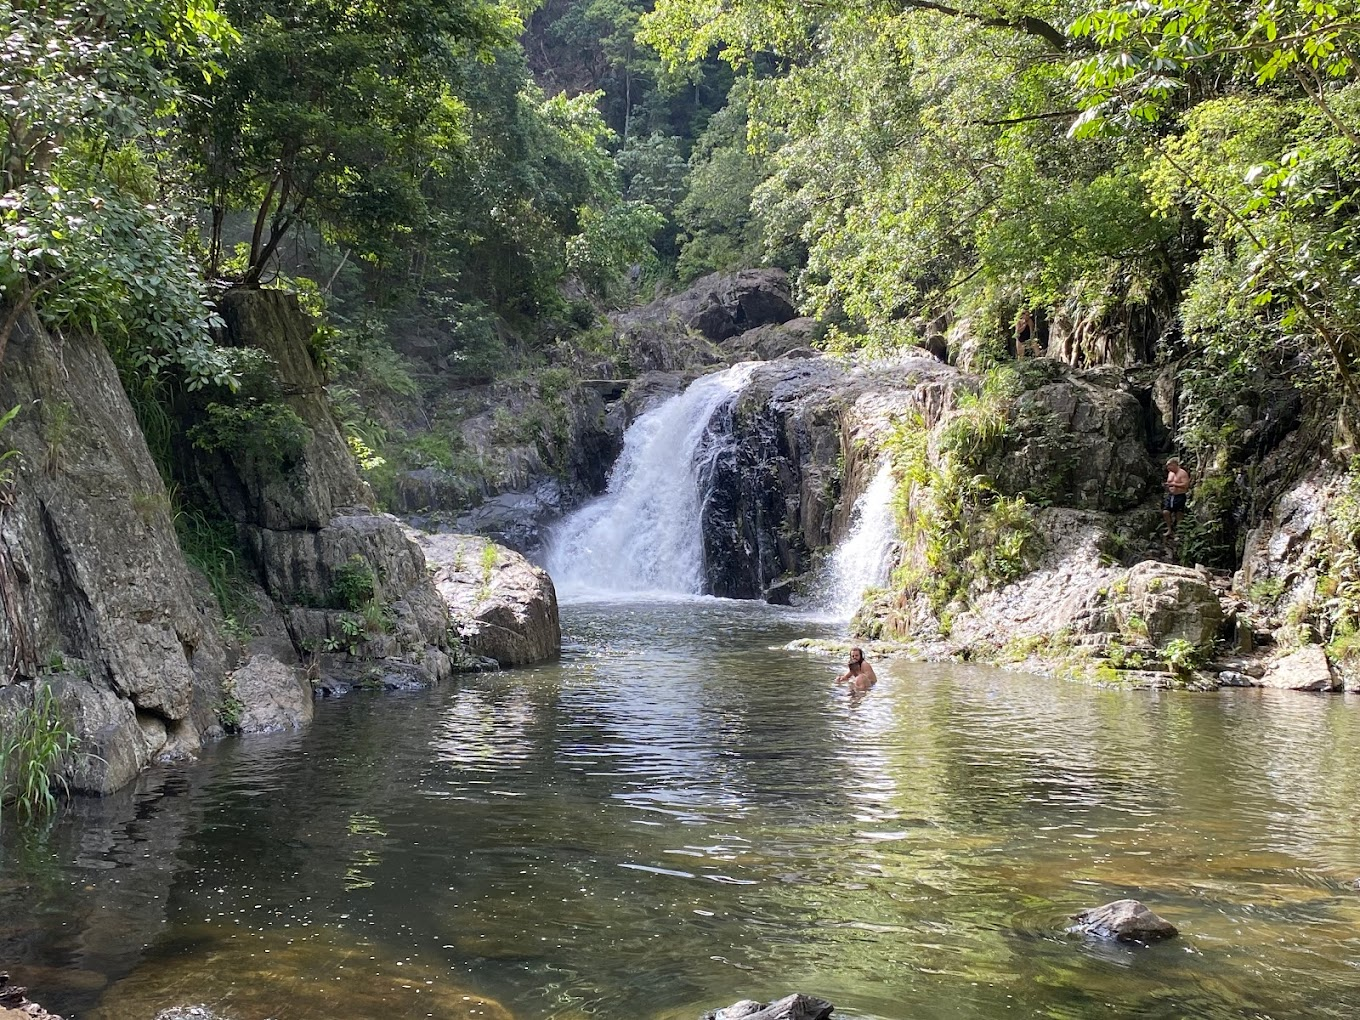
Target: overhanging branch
point(1025, 23)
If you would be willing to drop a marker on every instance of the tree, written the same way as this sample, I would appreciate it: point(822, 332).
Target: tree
point(335, 113)
point(1253, 111)
point(87, 235)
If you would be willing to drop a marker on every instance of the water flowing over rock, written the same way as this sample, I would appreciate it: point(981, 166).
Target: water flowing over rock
point(805, 440)
point(864, 558)
point(503, 606)
point(644, 533)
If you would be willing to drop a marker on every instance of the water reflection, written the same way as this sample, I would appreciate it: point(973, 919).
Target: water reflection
point(680, 813)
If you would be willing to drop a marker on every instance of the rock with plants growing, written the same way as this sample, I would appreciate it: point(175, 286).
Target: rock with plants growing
point(99, 600)
point(503, 607)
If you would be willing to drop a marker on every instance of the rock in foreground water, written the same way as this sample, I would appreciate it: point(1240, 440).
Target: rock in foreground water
point(791, 1007)
point(504, 607)
point(1125, 920)
point(14, 1005)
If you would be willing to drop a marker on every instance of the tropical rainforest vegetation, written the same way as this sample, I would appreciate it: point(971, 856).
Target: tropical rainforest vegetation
point(1149, 179)
point(459, 188)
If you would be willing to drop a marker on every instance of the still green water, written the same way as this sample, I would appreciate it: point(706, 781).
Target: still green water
point(680, 814)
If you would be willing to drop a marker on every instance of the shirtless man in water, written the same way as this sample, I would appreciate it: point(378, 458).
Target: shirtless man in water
point(1177, 487)
point(858, 673)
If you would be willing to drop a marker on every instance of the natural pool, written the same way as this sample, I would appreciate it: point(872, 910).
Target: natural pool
point(680, 813)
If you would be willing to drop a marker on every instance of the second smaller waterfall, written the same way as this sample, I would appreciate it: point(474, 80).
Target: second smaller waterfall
point(863, 560)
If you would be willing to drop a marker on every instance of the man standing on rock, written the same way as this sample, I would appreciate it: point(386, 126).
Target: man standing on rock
point(859, 673)
point(1177, 486)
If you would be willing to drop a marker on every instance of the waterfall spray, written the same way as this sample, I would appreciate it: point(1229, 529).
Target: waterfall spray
point(643, 534)
point(863, 560)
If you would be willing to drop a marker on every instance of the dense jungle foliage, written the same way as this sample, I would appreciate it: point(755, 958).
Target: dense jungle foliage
point(459, 185)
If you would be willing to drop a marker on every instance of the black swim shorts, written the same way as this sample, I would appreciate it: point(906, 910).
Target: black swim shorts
point(1175, 502)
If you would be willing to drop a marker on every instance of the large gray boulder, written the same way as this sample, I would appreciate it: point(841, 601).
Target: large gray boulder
point(268, 696)
point(503, 606)
point(96, 595)
point(1174, 602)
point(1306, 669)
point(805, 437)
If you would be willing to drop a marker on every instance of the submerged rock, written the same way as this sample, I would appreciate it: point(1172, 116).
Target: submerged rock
point(303, 974)
point(791, 1007)
point(504, 607)
point(1124, 920)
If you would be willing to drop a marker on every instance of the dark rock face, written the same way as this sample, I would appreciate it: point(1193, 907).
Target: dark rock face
point(96, 594)
point(1124, 920)
point(791, 466)
point(1094, 451)
point(791, 1007)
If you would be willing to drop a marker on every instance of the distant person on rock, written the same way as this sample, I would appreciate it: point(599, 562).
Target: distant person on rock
point(1027, 336)
point(858, 673)
point(1177, 486)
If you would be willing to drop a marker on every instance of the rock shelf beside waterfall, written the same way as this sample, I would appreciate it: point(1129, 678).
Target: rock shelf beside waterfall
point(503, 606)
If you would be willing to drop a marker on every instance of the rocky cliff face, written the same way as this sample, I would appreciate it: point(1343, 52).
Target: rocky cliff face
point(311, 531)
point(97, 597)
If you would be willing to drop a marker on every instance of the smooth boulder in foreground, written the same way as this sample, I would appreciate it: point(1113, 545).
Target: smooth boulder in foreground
point(791, 1007)
point(1124, 920)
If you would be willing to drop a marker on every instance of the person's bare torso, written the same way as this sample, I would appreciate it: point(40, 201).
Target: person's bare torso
point(1178, 481)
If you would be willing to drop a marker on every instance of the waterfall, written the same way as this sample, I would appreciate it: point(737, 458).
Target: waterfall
point(864, 558)
point(643, 534)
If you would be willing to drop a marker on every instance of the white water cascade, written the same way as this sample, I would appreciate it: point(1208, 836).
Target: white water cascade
point(644, 533)
point(863, 560)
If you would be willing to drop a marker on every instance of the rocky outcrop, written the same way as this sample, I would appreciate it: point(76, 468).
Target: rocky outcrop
point(1081, 441)
point(680, 332)
point(311, 533)
point(1169, 603)
point(1124, 920)
point(802, 442)
point(1306, 669)
point(97, 596)
point(503, 606)
point(99, 602)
